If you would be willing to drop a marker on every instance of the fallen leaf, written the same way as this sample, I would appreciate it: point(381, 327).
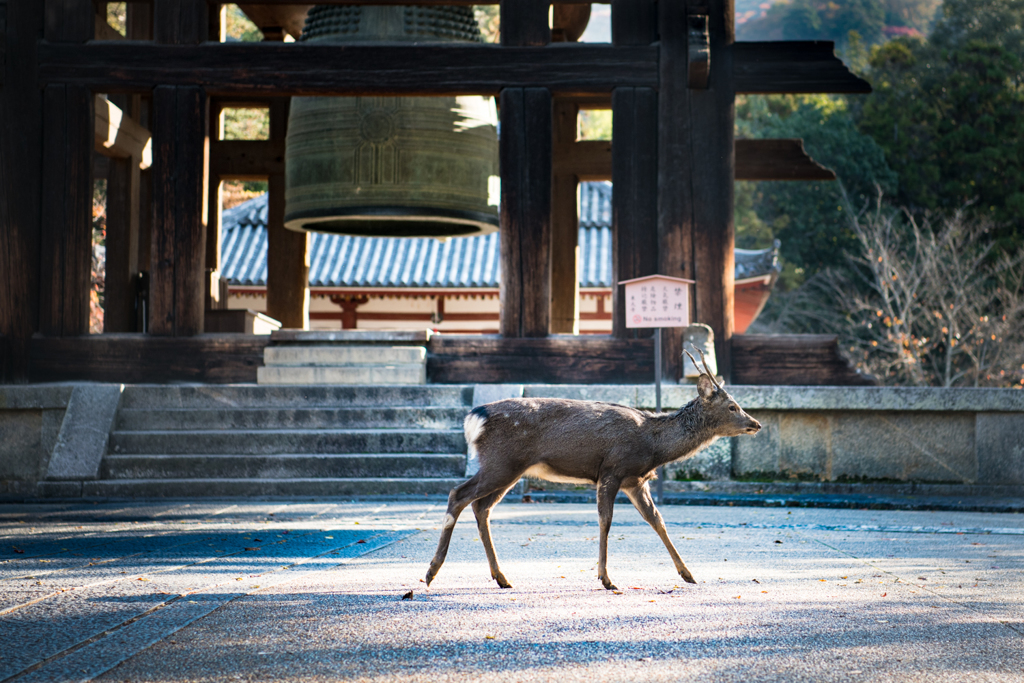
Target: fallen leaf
point(755, 581)
point(18, 550)
point(617, 592)
point(142, 579)
point(361, 540)
point(407, 596)
point(778, 541)
point(737, 597)
point(884, 594)
point(252, 548)
point(764, 591)
point(489, 637)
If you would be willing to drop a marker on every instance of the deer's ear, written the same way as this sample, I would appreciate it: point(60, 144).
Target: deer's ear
point(706, 388)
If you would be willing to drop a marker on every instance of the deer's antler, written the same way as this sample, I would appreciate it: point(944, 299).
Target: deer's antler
point(704, 361)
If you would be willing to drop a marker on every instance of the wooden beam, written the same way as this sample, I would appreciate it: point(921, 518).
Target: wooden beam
point(634, 195)
point(525, 212)
point(140, 358)
point(588, 160)
point(562, 359)
point(777, 160)
point(286, 70)
point(565, 280)
point(119, 136)
point(802, 359)
point(69, 21)
point(287, 251)
point(246, 159)
point(21, 149)
point(591, 160)
point(177, 263)
point(809, 66)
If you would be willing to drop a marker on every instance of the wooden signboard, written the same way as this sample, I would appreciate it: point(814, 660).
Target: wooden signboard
point(657, 301)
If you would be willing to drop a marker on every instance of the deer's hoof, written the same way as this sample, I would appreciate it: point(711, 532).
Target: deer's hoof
point(607, 583)
point(502, 581)
point(687, 577)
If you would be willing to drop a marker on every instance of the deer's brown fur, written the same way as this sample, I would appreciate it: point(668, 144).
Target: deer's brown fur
point(612, 446)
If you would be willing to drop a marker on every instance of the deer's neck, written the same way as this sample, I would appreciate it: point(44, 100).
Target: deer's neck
point(682, 433)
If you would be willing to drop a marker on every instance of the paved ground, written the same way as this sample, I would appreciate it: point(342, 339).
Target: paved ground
point(310, 591)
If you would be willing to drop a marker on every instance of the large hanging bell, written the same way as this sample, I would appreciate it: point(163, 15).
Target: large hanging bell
point(392, 166)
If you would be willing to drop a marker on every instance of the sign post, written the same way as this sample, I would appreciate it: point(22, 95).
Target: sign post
point(657, 301)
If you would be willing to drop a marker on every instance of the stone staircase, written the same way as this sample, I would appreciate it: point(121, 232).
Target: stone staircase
point(243, 440)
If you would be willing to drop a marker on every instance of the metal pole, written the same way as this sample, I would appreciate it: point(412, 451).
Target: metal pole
point(660, 484)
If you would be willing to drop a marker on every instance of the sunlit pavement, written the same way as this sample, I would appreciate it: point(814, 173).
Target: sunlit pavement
point(312, 591)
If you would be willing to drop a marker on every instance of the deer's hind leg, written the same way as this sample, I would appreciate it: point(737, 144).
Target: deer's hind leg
point(644, 504)
point(482, 509)
point(607, 489)
point(479, 486)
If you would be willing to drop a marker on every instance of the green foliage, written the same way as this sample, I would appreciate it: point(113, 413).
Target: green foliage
point(808, 217)
point(948, 114)
point(595, 124)
point(240, 27)
point(818, 20)
point(246, 124)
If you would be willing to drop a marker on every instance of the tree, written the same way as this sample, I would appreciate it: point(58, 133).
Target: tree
point(808, 217)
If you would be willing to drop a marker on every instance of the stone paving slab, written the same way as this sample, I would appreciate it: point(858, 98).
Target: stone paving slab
point(782, 595)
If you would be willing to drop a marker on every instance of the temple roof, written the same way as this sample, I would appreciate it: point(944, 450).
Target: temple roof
point(462, 262)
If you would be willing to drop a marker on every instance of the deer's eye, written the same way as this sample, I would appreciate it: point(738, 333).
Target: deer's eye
point(733, 408)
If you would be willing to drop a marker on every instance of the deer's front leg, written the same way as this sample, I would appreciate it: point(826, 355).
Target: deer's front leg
point(607, 489)
point(642, 501)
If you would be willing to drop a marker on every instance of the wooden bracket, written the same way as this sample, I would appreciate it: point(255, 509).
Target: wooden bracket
point(698, 42)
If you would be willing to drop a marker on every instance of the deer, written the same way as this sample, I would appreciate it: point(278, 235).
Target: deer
point(610, 445)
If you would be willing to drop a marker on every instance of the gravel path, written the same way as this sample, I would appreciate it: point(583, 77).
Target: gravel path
point(312, 591)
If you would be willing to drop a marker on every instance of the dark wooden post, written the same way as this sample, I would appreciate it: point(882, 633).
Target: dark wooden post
point(634, 164)
point(525, 22)
point(713, 113)
point(123, 181)
point(68, 139)
point(695, 173)
point(180, 165)
point(634, 193)
point(525, 148)
point(565, 273)
point(287, 251)
point(21, 148)
point(178, 248)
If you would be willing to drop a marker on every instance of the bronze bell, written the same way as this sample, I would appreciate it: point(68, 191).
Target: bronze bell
point(392, 166)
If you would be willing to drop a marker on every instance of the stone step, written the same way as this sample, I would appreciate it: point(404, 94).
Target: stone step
point(419, 417)
point(406, 373)
point(343, 355)
point(284, 441)
point(208, 396)
point(226, 488)
point(290, 466)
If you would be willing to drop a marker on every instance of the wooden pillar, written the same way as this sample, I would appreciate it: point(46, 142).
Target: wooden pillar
point(123, 180)
point(21, 148)
point(634, 194)
point(713, 112)
point(180, 161)
point(695, 173)
point(68, 140)
point(565, 252)
point(525, 148)
point(139, 25)
point(180, 166)
point(287, 250)
point(525, 22)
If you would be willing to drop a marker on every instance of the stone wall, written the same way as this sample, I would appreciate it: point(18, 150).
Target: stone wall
point(30, 421)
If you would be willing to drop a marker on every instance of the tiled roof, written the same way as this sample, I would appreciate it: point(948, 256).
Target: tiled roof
point(472, 262)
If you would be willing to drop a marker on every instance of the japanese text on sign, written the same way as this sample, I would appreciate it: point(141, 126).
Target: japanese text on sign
point(657, 301)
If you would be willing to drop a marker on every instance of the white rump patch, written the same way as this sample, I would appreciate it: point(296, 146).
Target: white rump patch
point(473, 427)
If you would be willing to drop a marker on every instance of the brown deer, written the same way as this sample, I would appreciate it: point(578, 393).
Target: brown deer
point(562, 440)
